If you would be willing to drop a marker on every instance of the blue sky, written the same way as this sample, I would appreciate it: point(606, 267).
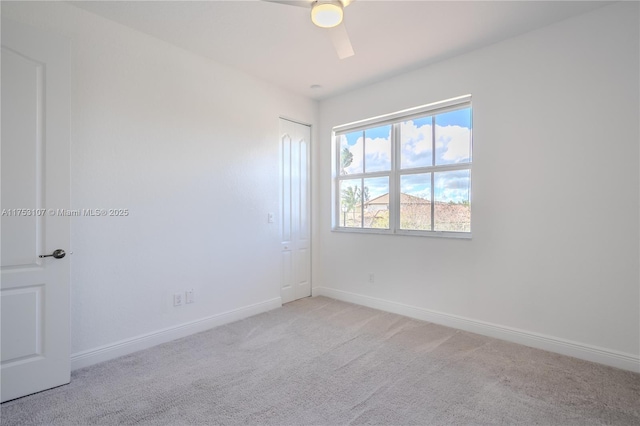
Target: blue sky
point(448, 186)
point(459, 117)
point(453, 137)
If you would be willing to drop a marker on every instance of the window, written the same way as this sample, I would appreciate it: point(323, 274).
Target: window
point(407, 172)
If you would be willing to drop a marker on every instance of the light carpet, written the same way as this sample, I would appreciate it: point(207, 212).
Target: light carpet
point(324, 362)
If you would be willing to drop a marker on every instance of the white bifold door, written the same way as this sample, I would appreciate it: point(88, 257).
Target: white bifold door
point(295, 229)
point(34, 292)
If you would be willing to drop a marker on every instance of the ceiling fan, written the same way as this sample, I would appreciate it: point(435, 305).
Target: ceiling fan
point(328, 14)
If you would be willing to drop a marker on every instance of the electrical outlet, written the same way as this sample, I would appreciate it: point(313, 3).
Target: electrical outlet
point(371, 278)
point(188, 296)
point(177, 299)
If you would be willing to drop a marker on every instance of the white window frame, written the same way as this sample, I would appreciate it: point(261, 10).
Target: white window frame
point(396, 172)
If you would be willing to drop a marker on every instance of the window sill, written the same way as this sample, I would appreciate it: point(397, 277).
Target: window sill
point(431, 234)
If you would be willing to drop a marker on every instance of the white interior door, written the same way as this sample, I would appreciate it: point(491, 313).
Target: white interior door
point(295, 227)
point(34, 292)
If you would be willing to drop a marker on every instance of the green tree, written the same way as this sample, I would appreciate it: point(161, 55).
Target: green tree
point(353, 196)
point(346, 158)
point(365, 194)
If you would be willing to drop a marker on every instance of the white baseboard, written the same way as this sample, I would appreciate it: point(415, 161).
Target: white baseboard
point(138, 343)
point(553, 344)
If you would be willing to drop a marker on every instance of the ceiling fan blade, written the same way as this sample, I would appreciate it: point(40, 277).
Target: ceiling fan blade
point(306, 3)
point(340, 40)
point(301, 3)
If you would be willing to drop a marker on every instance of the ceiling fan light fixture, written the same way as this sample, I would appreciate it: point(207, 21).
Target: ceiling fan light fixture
point(326, 14)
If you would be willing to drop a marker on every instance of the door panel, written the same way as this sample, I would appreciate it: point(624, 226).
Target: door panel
point(22, 81)
point(34, 292)
point(23, 338)
point(295, 226)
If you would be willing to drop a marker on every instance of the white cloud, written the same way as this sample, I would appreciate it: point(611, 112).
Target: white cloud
point(417, 185)
point(377, 186)
point(416, 145)
point(452, 186)
point(378, 155)
point(452, 146)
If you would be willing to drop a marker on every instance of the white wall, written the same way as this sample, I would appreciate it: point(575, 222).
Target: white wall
point(191, 149)
point(554, 259)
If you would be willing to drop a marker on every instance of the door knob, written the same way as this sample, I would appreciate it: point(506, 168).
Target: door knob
point(58, 254)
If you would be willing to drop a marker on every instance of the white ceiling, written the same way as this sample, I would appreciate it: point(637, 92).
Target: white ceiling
point(279, 44)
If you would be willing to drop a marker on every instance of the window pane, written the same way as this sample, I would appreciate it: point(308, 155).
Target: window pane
point(351, 150)
point(376, 202)
point(452, 203)
point(350, 203)
point(415, 202)
point(453, 137)
point(377, 149)
point(416, 143)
